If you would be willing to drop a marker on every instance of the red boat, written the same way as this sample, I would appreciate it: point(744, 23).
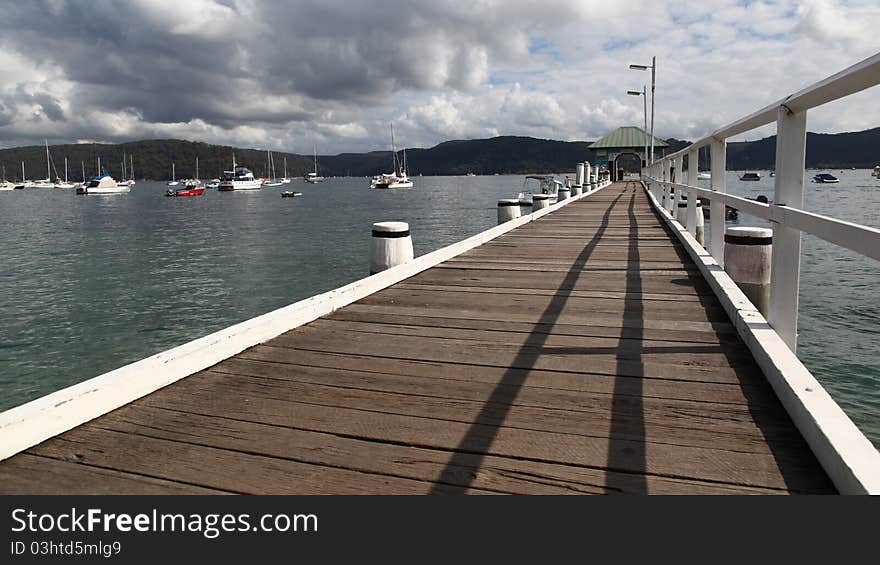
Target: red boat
point(196, 191)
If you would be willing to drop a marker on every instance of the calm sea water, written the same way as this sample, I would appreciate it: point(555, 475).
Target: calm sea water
point(88, 284)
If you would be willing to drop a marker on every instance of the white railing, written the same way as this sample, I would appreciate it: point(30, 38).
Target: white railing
point(849, 458)
point(785, 212)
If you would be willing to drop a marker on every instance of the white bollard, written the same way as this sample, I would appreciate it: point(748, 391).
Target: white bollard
point(562, 193)
point(587, 177)
point(390, 246)
point(681, 210)
point(700, 231)
point(747, 256)
point(579, 176)
point(525, 206)
point(576, 190)
point(540, 201)
point(508, 209)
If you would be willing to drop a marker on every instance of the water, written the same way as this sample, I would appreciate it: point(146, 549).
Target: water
point(839, 312)
point(89, 283)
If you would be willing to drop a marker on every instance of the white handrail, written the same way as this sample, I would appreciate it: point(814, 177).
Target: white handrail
point(864, 240)
point(848, 457)
point(856, 78)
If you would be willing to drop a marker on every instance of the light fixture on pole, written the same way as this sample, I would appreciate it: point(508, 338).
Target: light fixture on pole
point(653, 67)
point(644, 96)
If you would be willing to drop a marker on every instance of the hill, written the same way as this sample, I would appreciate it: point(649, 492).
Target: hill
point(503, 155)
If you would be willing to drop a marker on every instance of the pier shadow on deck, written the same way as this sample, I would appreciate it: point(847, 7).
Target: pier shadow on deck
point(580, 353)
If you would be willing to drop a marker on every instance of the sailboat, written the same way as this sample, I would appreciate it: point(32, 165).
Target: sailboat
point(65, 183)
point(270, 164)
point(191, 187)
point(172, 182)
point(313, 177)
point(285, 179)
point(24, 182)
point(5, 184)
point(46, 182)
point(396, 179)
point(129, 181)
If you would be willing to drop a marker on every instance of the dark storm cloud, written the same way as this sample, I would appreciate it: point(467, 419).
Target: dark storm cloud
point(148, 58)
point(333, 73)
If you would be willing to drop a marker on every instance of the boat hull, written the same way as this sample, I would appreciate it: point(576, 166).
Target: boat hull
point(407, 184)
point(186, 192)
point(104, 190)
point(240, 185)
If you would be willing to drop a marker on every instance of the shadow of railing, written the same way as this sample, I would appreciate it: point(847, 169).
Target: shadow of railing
point(477, 440)
point(627, 404)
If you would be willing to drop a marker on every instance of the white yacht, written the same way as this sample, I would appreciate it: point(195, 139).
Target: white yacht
point(64, 183)
point(239, 178)
point(313, 176)
point(173, 181)
point(397, 179)
point(103, 184)
point(285, 179)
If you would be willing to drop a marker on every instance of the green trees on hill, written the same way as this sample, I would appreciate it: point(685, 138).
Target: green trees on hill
point(503, 155)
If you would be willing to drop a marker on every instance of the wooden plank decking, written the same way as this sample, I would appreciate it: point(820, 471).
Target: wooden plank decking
point(580, 353)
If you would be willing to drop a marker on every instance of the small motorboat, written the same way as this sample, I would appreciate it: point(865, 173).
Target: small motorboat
point(704, 176)
point(750, 177)
point(103, 184)
point(876, 172)
point(213, 183)
point(186, 191)
point(290, 194)
point(825, 178)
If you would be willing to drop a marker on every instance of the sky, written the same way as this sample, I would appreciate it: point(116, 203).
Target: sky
point(333, 74)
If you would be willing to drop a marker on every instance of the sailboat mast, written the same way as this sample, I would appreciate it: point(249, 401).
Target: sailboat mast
point(131, 167)
point(48, 172)
point(393, 151)
point(197, 167)
point(65, 169)
point(316, 159)
point(83, 165)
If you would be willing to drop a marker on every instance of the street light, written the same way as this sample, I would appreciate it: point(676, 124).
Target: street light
point(653, 67)
point(644, 96)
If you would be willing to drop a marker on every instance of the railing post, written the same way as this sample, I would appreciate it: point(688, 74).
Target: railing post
point(664, 176)
point(718, 210)
point(791, 141)
point(693, 171)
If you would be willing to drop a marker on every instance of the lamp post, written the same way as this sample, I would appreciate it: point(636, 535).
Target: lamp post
point(644, 96)
point(653, 67)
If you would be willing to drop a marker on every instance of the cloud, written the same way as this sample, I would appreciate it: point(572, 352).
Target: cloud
point(334, 73)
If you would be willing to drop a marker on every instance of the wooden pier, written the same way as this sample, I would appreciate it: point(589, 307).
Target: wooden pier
point(579, 353)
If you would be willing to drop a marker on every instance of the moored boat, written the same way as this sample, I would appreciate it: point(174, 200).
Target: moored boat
point(185, 191)
point(397, 179)
point(103, 184)
point(750, 177)
point(290, 194)
point(239, 178)
point(825, 178)
point(547, 184)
